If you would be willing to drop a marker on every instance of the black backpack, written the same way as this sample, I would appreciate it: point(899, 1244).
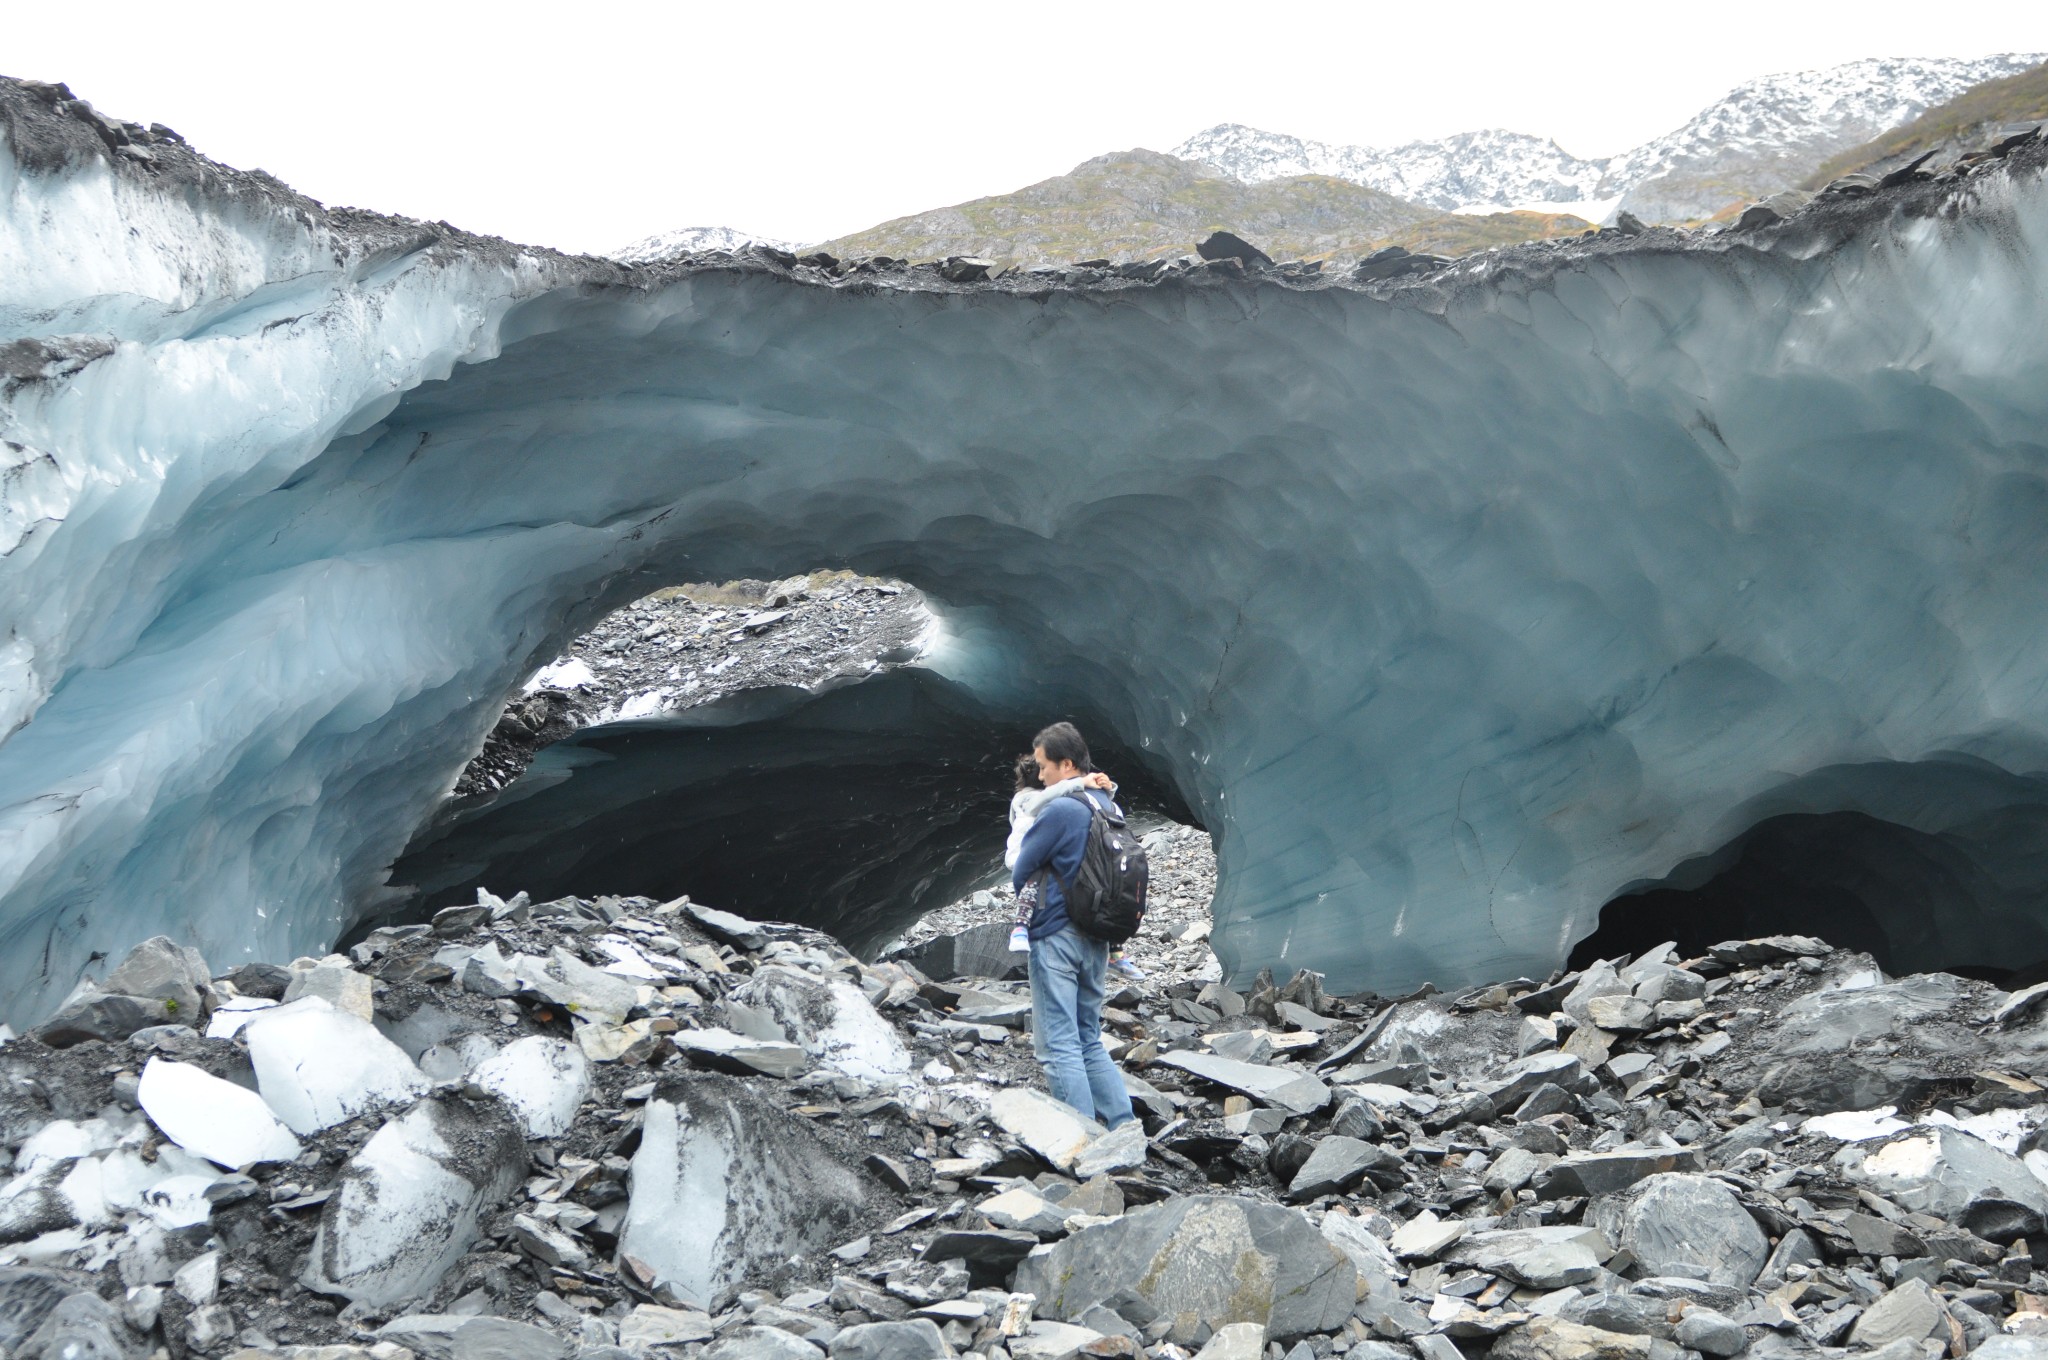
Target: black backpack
point(1106, 897)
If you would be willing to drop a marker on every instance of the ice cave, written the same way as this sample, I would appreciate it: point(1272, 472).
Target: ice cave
point(1460, 606)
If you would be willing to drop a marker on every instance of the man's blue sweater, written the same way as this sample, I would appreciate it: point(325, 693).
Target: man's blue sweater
point(1055, 841)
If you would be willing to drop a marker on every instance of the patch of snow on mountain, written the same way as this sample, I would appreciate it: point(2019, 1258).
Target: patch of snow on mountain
point(688, 240)
point(1803, 115)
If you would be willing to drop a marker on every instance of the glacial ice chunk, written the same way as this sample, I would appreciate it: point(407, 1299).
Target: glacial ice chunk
point(407, 1206)
point(227, 1124)
point(543, 1079)
point(317, 1066)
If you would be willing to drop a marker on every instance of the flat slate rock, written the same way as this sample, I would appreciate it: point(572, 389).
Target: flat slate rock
point(1297, 1092)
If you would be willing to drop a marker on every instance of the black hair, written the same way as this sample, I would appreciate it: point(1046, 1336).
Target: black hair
point(1062, 741)
point(1027, 772)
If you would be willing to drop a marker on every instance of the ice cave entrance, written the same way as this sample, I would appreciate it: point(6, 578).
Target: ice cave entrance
point(788, 749)
point(1970, 898)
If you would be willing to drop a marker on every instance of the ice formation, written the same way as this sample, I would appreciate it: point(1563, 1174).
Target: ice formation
point(1455, 606)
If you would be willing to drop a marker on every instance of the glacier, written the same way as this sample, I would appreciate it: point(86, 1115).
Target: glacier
point(1456, 605)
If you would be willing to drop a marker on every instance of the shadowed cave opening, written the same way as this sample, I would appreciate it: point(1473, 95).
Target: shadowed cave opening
point(855, 810)
point(1971, 900)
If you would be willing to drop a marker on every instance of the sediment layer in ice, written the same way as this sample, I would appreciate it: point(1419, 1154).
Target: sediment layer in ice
point(1454, 605)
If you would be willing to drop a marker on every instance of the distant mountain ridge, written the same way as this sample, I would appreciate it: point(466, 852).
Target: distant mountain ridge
point(684, 240)
point(1138, 205)
point(1763, 136)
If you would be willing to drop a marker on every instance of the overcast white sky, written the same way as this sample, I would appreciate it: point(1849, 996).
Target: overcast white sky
point(587, 126)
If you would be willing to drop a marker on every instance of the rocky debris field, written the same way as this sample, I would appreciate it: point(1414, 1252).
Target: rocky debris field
point(621, 1128)
point(687, 645)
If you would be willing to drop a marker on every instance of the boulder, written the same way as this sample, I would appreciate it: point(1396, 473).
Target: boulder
point(1823, 1056)
point(82, 1326)
point(1200, 1260)
point(227, 1124)
point(720, 1050)
point(1123, 1148)
point(990, 1255)
point(1710, 1333)
point(916, 1339)
point(981, 951)
point(650, 1325)
point(318, 1066)
point(335, 982)
point(436, 1336)
point(1336, 1164)
point(1953, 1176)
point(544, 1080)
point(761, 1343)
point(727, 927)
point(407, 1206)
point(1228, 245)
point(829, 1018)
point(589, 994)
point(1912, 1312)
point(1604, 1173)
point(1545, 1258)
point(1549, 1338)
point(1051, 1128)
point(723, 1179)
point(1295, 1091)
point(28, 1294)
point(1238, 1341)
point(158, 983)
point(1694, 1227)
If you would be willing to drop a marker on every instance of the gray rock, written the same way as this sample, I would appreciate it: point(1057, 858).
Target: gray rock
point(1948, 1173)
point(1548, 1338)
point(408, 1204)
point(1121, 1149)
point(916, 1339)
point(990, 1255)
point(101, 1015)
point(829, 1018)
point(720, 1050)
point(1709, 1333)
point(1203, 1260)
point(1297, 1092)
point(723, 1179)
point(727, 928)
point(1546, 1258)
point(27, 1296)
point(82, 1326)
point(1823, 1055)
point(1337, 1164)
point(1053, 1129)
point(1626, 1313)
point(1769, 949)
point(588, 993)
point(1693, 1226)
point(981, 951)
point(761, 1343)
point(487, 972)
point(436, 1336)
point(1238, 1341)
point(1910, 1312)
point(650, 1325)
point(1604, 1173)
point(2012, 1348)
point(159, 970)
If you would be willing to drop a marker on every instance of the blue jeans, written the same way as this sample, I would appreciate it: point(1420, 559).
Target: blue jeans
point(1067, 972)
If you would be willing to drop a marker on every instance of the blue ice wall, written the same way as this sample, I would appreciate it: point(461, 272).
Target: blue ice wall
point(1454, 607)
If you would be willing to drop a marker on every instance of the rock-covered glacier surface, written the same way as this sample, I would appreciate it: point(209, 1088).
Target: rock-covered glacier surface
point(1455, 606)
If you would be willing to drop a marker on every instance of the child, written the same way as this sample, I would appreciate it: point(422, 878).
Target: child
point(1025, 805)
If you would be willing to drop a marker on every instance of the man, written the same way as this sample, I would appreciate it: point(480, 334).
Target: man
point(1067, 967)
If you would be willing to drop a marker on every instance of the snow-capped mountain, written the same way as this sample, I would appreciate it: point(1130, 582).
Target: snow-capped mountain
point(684, 240)
point(1764, 135)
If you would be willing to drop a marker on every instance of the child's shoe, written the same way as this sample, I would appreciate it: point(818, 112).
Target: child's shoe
point(1020, 940)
